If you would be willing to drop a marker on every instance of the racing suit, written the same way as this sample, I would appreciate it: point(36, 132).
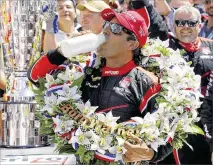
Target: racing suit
point(126, 91)
point(201, 55)
point(206, 113)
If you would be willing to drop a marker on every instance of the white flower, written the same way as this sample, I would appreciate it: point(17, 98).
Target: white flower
point(68, 93)
point(157, 143)
point(108, 119)
point(80, 137)
point(47, 108)
point(174, 97)
point(50, 102)
point(62, 126)
point(119, 149)
point(186, 123)
point(95, 139)
point(50, 80)
point(165, 125)
point(196, 81)
point(64, 76)
point(149, 127)
point(86, 109)
point(103, 143)
point(149, 119)
point(75, 74)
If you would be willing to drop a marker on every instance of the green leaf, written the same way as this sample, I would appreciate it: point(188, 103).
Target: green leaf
point(197, 130)
point(78, 82)
point(42, 82)
point(81, 150)
point(65, 148)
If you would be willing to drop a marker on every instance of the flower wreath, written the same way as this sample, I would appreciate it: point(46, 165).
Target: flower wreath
point(76, 128)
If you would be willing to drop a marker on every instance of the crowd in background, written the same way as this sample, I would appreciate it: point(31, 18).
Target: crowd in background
point(77, 16)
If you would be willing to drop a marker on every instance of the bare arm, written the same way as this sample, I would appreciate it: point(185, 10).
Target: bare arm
point(2, 74)
point(162, 7)
point(51, 29)
point(49, 42)
point(2, 80)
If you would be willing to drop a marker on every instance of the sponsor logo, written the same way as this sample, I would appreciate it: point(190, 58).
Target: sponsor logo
point(112, 72)
point(108, 14)
point(207, 132)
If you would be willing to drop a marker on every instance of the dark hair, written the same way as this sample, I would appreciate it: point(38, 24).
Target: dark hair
point(137, 55)
point(73, 2)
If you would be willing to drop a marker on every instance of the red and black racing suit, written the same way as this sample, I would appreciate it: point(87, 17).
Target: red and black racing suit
point(126, 91)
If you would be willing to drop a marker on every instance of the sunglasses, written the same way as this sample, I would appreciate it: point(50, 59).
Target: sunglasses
point(208, 1)
point(116, 28)
point(182, 23)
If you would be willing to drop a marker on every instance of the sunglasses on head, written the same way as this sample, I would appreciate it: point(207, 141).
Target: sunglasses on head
point(208, 1)
point(182, 23)
point(116, 28)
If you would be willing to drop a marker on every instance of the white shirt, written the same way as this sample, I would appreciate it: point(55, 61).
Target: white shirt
point(61, 35)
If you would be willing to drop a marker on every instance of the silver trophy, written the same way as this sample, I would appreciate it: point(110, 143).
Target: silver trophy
point(21, 33)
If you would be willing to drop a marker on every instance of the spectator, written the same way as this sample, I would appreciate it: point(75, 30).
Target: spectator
point(199, 51)
point(207, 28)
point(61, 26)
point(90, 17)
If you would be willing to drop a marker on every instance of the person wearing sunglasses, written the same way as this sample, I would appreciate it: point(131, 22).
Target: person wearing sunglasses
point(198, 51)
point(167, 9)
point(123, 85)
point(207, 28)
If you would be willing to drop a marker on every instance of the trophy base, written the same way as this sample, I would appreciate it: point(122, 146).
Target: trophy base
point(19, 127)
point(23, 147)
